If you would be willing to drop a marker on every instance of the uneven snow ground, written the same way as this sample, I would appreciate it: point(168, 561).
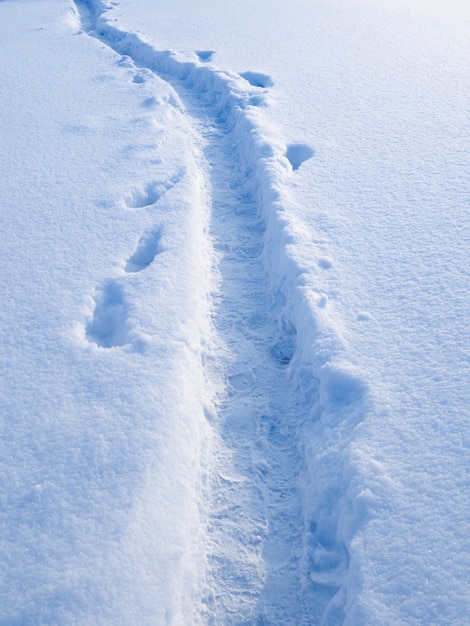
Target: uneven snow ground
point(235, 342)
point(102, 242)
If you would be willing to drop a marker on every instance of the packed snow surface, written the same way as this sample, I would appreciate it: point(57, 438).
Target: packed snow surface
point(235, 339)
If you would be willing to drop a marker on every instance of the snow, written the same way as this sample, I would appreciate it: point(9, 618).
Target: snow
point(234, 312)
point(100, 360)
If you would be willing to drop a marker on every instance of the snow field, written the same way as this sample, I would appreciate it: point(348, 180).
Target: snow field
point(102, 240)
point(326, 387)
point(235, 365)
point(369, 235)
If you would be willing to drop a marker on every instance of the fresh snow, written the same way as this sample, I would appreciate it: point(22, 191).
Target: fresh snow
point(235, 340)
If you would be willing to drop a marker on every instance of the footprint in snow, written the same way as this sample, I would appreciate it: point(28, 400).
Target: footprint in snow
point(298, 153)
point(270, 432)
point(125, 61)
point(150, 103)
point(142, 76)
point(325, 263)
point(283, 350)
point(147, 249)
point(141, 197)
point(258, 101)
point(242, 381)
point(257, 79)
point(109, 326)
point(341, 387)
point(205, 55)
point(285, 345)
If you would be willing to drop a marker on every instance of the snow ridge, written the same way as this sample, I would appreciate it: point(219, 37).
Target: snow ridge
point(327, 396)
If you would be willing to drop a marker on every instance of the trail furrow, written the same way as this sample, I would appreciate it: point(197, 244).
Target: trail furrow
point(259, 546)
point(254, 516)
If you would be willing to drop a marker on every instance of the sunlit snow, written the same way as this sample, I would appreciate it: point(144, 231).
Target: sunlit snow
point(235, 331)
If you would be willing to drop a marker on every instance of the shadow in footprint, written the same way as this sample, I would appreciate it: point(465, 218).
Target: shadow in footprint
point(257, 79)
point(147, 249)
point(142, 76)
point(284, 348)
point(141, 197)
point(125, 61)
point(205, 55)
point(297, 153)
point(342, 388)
point(242, 381)
point(109, 327)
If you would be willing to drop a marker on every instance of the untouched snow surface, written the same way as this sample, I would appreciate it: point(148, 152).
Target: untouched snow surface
point(235, 339)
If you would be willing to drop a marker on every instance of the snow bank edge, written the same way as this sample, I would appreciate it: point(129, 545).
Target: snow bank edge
point(333, 395)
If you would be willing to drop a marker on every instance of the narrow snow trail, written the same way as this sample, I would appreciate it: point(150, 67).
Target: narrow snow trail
point(252, 507)
point(233, 392)
point(254, 514)
point(249, 411)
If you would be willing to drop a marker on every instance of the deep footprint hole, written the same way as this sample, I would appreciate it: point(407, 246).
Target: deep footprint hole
point(205, 55)
point(298, 153)
point(140, 198)
point(109, 327)
point(147, 249)
point(257, 79)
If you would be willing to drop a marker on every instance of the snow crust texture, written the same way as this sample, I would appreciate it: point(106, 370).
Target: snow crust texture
point(186, 427)
point(300, 545)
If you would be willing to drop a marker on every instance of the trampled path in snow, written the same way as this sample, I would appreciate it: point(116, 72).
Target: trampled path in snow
point(254, 513)
point(235, 306)
point(255, 572)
